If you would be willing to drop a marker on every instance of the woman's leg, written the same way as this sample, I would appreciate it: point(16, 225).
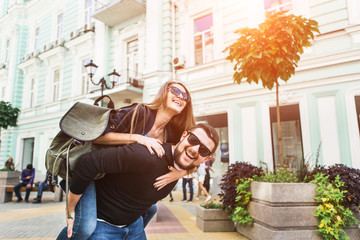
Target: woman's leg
point(85, 216)
point(149, 214)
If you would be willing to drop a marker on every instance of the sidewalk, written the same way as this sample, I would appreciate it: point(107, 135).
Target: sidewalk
point(175, 221)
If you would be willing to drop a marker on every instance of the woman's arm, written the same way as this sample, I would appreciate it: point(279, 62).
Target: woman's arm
point(115, 138)
point(171, 176)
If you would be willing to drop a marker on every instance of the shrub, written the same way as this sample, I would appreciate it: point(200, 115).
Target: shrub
point(211, 205)
point(282, 175)
point(332, 215)
point(351, 178)
point(240, 213)
point(230, 181)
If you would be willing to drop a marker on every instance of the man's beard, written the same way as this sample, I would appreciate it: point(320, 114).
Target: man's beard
point(177, 155)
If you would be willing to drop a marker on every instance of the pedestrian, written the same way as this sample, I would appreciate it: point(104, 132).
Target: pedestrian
point(44, 185)
point(162, 120)
point(208, 168)
point(9, 164)
point(188, 179)
point(201, 177)
point(27, 179)
point(126, 190)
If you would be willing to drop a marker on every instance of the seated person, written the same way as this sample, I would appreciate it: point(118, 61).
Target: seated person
point(27, 179)
point(44, 185)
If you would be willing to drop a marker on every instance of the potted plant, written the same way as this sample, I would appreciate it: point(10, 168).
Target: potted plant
point(281, 206)
point(210, 217)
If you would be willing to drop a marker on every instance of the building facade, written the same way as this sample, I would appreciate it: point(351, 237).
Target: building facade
point(44, 45)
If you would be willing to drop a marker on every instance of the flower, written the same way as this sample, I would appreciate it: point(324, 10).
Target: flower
point(211, 205)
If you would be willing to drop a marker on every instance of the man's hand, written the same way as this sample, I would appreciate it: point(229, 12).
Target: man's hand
point(28, 177)
point(70, 223)
point(165, 179)
point(28, 185)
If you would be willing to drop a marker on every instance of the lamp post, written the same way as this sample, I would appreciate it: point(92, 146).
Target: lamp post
point(91, 69)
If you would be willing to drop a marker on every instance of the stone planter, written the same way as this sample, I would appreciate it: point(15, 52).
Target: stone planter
point(7, 178)
point(284, 211)
point(213, 220)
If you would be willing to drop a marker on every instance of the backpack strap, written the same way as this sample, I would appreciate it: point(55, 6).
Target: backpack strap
point(109, 105)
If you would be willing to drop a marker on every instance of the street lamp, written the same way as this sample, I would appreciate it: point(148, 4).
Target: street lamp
point(91, 69)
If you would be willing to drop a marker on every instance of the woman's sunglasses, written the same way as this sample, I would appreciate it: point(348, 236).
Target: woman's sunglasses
point(193, 140)
point(176, 91)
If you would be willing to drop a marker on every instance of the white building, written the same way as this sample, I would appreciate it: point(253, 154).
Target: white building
point(44, 45)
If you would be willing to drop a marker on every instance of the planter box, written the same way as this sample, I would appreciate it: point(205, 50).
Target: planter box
point(284, 211)
point(8, 178)
point(213, 220)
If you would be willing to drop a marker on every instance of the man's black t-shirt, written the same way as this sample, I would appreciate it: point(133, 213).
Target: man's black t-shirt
point(127, 189)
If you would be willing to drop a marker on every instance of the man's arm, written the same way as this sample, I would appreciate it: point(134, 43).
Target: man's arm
point(73, 199)
point(133, 158)
point(32, 176)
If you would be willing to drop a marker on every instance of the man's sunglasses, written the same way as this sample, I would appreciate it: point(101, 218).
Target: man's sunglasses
point(193, 140)
point(176, 91)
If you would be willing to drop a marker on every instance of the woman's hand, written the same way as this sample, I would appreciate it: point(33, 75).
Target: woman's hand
point(152, 144)
point(171, 176)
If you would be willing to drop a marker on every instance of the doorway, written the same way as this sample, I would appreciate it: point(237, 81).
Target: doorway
point(28, 152)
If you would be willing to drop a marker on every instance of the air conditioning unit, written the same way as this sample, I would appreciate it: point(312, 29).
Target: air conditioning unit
point(179, 62)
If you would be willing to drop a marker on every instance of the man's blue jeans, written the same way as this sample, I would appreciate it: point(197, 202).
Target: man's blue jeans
point(134, 231)
point(190, 182)
point(17, 192)
point(86, 216)
point(42, 186)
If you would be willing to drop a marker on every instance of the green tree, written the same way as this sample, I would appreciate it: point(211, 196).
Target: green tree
point(271, 52)
point(8, 115)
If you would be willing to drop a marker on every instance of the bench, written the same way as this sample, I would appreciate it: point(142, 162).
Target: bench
point(9, 189)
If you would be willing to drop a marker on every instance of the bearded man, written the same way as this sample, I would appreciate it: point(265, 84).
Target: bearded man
point(126, 191)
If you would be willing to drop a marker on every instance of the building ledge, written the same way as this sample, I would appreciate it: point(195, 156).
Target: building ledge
point(119, 11)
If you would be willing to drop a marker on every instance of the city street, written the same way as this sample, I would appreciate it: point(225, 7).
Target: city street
point(175, 220)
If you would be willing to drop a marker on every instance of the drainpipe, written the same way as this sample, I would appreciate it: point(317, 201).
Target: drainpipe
point(173, 38)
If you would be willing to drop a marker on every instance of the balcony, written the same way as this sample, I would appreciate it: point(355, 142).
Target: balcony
point(129, 87)
point(119, 11)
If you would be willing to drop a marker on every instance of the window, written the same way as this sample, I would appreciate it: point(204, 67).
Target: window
point(60, 24)
point(221, 155)
point(56, 85)
point(84, 77)
point(28, 152)
point(7, 50)
point(36, 38)
point(278, 5)
point(32, 93)
point(203, 39)
point(291, 136)
point(88, 11)
point(132, 61)
point(357, 105)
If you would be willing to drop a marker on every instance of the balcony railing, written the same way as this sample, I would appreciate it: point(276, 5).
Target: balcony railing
point(127, 78)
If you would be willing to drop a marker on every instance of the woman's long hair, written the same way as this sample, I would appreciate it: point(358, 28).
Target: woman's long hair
point(182, 121)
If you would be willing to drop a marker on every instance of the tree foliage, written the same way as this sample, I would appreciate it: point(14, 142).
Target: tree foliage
point(272, 50)
point(8, 115)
